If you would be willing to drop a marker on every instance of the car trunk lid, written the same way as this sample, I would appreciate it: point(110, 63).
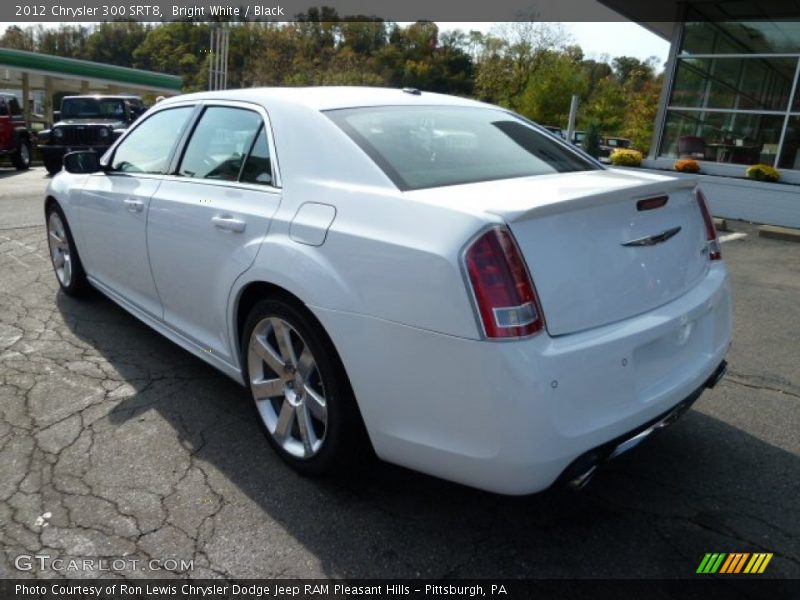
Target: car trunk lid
point(596, 253)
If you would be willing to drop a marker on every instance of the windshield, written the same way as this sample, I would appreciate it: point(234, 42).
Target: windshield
point(430, 146)
point(83, 108)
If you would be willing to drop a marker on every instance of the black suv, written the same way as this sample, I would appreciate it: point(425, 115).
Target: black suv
point(87, 123)
point(15, 139)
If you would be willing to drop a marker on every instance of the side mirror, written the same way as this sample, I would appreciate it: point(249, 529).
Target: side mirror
point(56, 116)
point(82, 162)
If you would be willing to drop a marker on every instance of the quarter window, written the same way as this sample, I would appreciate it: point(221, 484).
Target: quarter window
point(219, 144)
point(257, 167)
point(148, 147)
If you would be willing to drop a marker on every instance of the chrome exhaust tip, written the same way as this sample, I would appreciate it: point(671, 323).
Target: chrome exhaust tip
point(581, 481)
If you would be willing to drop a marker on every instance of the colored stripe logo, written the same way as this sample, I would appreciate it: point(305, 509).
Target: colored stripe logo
point(734, 563)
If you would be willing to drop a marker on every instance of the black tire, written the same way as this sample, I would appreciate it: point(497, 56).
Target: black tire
point(345, 440)
point(77, 285)
point(21, 159)
point(53, 164)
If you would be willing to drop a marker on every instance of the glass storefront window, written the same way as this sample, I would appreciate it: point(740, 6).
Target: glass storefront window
point(722, 136)
point(734, 83)
point(790, 155)
point(741, 37)
point(734, 109)
point(796, 103)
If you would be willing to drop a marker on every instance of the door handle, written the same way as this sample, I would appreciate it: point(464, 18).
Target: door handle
point(228, 223)
point(134, 205)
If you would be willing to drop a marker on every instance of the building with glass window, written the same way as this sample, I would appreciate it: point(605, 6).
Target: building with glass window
point(731, 95)
point(734, 95)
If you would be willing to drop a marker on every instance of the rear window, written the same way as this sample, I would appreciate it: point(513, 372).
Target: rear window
point(430, 146)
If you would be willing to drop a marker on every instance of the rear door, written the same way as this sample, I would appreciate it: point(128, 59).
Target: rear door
point(208, 219)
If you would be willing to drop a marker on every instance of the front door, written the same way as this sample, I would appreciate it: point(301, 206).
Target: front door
point(114, 208)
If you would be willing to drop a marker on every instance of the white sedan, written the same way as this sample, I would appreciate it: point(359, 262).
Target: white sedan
point(438, 279)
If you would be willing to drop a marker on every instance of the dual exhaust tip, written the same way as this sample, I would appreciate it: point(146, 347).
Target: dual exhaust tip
point(583, 469)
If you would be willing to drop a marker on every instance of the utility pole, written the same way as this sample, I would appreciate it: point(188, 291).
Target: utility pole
point(573, 113)
point(218, 63)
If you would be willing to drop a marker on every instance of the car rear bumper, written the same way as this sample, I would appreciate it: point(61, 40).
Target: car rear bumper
point(512, 417)
point(578, 474)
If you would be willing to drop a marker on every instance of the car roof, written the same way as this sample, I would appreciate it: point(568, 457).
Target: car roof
point(330, 97)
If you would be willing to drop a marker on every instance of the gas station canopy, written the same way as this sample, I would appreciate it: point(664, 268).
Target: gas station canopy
point(33, 71)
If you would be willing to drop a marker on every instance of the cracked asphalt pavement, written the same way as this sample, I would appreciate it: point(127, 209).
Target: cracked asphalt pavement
point(116, 443)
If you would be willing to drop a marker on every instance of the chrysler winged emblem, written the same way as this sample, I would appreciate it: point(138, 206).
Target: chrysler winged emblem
point(652, 240)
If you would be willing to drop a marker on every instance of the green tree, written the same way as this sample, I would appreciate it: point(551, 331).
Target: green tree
point(180, 48)
point(547, 97)
point(16, 38)
point(114, 43)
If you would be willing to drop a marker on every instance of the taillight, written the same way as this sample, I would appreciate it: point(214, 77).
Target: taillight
point(503, 290)
point(712, 243)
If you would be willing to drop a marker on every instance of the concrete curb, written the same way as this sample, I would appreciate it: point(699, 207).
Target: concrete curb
point(786, 234)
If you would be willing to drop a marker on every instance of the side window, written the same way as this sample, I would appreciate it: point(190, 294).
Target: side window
point(147, 149)
point(257, 167)
point(219, 143)
point(3, 108)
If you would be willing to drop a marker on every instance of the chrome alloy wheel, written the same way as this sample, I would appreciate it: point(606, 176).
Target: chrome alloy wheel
point(287, 387)
point(59, 248)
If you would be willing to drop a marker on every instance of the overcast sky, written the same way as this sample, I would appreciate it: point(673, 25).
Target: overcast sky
point(612, 38)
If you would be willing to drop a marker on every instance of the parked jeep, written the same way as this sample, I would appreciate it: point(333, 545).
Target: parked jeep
point(87, 123)
point(15, 139)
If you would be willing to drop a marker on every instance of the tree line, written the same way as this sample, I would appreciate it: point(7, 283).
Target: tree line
point(530, 67)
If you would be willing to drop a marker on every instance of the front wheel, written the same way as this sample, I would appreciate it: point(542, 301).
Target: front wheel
point(301, 391)
point(52, 164)
point(22, 157)
point(63, 254)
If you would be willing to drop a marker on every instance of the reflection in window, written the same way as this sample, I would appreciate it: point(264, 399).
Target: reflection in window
point(148, 147)
point(425, 146)
point(741, 37)
point(257, 167)
point(722, 137)
point(734, 83)
point(796, 103)
point(790, 156)
point(219, 143)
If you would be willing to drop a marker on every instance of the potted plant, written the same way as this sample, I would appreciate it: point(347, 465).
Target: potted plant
point(687, 165)
point(762, 172)
point(626, 157)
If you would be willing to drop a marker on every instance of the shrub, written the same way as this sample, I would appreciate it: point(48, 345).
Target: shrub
point(687, 165)
point(625, 157)
point(591, 143)
point(762, 172)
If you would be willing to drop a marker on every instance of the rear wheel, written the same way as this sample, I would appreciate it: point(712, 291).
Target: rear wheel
point(22, 157)
point(301, 391)
point(63, 254)
point(52, 164)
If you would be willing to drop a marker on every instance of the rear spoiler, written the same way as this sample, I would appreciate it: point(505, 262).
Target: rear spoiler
point(649, 185)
